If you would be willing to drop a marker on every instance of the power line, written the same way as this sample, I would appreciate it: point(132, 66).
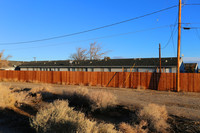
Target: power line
point(171, 36)
point(174, 43)
point(195, 4)
point(85, 31)
point(109, 36)
point(191, 23)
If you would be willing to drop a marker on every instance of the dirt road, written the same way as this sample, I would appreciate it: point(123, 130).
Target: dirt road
point(180, 104)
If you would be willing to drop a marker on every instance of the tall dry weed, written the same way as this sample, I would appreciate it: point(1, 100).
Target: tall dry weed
point(7, 98)
point(58, 117)
point(156, 116)
point(102, 99)
point(40, 89)
point(12, 97)
point(127, 128)
point(92, 100)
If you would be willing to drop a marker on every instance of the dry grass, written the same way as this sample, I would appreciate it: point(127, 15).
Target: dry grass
point(126, 128)
point(40, 89)
point(141, 87)
point(15, 80)
point(102, 99)
point(91, 100)
point(60, 118)
point(7, 98)
point(151, 118)
point(156, 116)
point(81, 91)
point(14, 97)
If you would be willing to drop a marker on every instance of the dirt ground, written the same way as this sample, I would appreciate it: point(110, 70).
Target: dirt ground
point(180, 104)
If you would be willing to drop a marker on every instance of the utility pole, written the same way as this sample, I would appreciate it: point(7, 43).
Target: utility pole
point(178, 49)
point(160, 57)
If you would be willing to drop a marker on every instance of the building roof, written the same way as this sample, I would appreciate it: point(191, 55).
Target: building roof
point(145, 62)
point(190, 67)
point(14, 63)
point(190, 64)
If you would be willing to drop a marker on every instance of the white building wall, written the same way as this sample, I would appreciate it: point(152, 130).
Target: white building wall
point(63, 69)
point(146, 70)
point(23, 69)
point(90, 69)
point(97, 69)
point(173, 69)
point(30, 69)
point(116, 70)
point(134, 70)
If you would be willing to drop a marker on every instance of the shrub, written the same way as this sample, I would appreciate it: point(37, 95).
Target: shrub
point(104, 128)
point(9, 98)
point(81, 91)
point(102, 99)
point(81, 97)
point(40, 89)
point(59, 117)
point(126, 128)
point(156, 116)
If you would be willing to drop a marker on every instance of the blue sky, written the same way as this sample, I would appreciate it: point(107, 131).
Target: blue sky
point(25, 20)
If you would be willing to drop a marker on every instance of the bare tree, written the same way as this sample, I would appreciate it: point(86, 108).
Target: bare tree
point(4, 60)
point(81, 54)
point(95, 51)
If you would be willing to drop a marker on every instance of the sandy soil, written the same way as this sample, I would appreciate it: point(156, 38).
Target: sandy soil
point(180, 104)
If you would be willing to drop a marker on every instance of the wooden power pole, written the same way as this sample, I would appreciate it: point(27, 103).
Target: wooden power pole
point(178, 48)
point(160, 57)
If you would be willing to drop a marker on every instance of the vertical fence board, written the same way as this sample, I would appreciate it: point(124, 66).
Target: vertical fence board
point(143, 79)
point(99, 78)
point(117, 79)
point(85, 80)
point(149, 80)
point(190, 82)
point(134, 80)
point(121, 79)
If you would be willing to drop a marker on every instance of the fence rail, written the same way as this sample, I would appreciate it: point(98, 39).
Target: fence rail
point(189, 82)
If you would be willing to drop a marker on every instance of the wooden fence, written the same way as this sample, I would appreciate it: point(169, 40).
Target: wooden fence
point(189, 82)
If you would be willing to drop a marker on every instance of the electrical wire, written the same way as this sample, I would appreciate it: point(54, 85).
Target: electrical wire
point(109, 36)
point(173, 42)
point(191, 23)
point(194, 27)
point(171, 36)
point(85, 31)
point(195, 4)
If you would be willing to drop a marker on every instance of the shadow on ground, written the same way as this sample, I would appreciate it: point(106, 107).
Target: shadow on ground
point(11, 121)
